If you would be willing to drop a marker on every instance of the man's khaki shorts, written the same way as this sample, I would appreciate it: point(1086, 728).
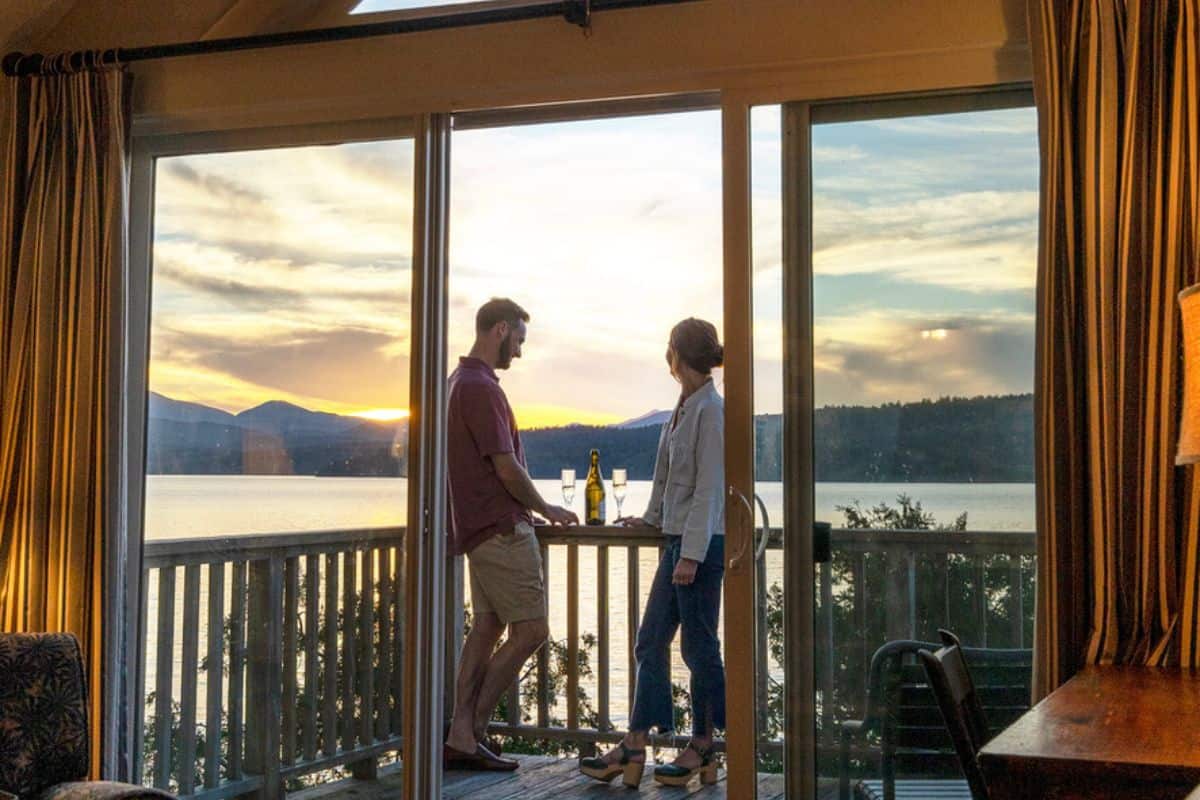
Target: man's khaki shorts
point(507, 578)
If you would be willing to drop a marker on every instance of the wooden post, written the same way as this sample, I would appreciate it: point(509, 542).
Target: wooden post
point(896, 597)
point(264, 656)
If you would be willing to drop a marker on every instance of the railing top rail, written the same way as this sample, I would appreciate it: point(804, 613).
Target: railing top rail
point(165, 552)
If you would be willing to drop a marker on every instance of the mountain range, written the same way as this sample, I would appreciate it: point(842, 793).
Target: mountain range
point(955, 440)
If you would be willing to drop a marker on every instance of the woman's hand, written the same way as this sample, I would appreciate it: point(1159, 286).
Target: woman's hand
point(632, 522)
point(685, 572)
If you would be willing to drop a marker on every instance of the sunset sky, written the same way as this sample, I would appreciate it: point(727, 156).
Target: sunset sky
point(285, 274)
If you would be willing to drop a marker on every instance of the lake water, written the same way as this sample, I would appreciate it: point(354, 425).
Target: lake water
point(190, 506)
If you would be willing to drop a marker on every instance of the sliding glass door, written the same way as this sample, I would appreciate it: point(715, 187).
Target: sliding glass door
point(274, 506)
point(894, 283)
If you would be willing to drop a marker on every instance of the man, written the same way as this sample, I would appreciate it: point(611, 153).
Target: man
point(491, 497)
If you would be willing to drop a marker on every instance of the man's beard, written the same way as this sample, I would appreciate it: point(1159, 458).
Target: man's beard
point(504, 361)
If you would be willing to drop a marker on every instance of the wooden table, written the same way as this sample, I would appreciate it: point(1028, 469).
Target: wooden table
point(1109, 732)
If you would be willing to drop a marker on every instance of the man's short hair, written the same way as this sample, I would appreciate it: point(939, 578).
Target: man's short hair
point(496, 310)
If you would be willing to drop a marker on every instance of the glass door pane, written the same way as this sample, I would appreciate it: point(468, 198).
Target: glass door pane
point(924, 235)
point(607, 232)
point(275, 490)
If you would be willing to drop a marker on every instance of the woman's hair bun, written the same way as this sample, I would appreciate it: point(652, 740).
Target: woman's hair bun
point(696, 344)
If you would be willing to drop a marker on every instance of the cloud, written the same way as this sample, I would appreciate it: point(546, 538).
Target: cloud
point(347, 366)
point(236, 292)
point(884, 358)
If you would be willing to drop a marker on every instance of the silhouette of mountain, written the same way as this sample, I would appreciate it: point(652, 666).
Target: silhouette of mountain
point(275, 438)
point(162, 407)
point(655, 418)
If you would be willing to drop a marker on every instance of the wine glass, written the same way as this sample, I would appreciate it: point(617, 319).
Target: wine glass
point(620, 481)
point(568, 486)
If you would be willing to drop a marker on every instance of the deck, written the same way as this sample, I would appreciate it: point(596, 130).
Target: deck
point(539, 778)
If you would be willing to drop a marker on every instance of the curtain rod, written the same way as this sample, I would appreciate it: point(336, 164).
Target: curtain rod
point(576, 12)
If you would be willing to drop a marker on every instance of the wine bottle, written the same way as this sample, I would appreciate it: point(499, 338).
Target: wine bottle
point(593, 493)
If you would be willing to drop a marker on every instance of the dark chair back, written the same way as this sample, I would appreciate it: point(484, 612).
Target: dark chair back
point(43, 712)
point(962, 711)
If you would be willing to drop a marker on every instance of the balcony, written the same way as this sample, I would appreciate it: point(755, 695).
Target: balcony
point(305, 677)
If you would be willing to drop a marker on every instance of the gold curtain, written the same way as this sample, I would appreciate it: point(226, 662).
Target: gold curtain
point(62, 244)
point(1117, 88)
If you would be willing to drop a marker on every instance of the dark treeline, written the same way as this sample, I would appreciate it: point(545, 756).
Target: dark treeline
point(981, 439)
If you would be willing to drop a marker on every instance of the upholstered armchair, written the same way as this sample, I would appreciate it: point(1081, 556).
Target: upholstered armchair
point(44, 740)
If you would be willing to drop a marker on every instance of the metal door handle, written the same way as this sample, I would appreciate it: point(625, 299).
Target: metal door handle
point(764, 531)
point(735, 560)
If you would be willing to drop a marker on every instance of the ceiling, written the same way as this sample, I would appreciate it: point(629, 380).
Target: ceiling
point(53, 25)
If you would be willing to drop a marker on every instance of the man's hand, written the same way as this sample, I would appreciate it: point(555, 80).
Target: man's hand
point(685, 572)
point(632, 522)
point(557, 515)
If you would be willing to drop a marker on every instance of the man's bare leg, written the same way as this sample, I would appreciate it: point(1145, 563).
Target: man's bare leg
point(524, 639)
point(473, 667)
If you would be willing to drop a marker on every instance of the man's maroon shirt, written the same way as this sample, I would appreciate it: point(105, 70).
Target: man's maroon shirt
point(480, 424)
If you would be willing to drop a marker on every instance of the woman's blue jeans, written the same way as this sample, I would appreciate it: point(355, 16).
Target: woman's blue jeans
point(694, 609)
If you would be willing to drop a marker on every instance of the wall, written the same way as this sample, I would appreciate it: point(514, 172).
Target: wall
point(769, 49)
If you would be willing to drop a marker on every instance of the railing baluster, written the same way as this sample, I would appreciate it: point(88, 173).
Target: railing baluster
point(329, 718)
point(188, 670)
point(366, 669)
point(237, 670)
point(366, 768)
point(214, 674)
point(312, 598)
point(602, 636)
point(383, 680)
point(827, 662)
point(632, 601)
point(349, 618)
point(572, 636)
point(763, 658)
point(543, 662)
point(859, 577)
point(1016, 602)
point(896, 594)
point(947, 567)
point(291, 665)
point(399, 576)
point(164, 715)
point(512, 702)
point(981, 599)
point(139, 735)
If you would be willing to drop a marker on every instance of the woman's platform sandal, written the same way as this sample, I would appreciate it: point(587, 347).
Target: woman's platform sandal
point(675, 775)
point(605, 771)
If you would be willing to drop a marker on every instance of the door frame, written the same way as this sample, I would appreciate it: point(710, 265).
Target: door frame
point(125, 638)
point(798, 471)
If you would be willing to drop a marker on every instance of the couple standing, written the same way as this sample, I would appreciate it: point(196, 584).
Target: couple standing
point(492, 502)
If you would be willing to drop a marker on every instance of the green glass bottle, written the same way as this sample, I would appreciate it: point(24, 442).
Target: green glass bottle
point(593, 493)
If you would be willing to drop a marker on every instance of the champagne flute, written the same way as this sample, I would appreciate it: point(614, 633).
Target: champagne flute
point(568, 486)
point(620, 481)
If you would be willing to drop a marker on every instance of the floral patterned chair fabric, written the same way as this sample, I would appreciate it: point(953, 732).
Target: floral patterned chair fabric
point(44, 739)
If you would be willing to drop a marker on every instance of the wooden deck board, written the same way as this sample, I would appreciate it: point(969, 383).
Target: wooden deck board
point(539, 778)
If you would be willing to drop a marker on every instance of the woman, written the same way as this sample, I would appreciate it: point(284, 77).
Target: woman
point(687, 503)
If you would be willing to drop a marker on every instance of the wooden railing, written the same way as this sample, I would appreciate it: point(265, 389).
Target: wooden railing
point(305, 674)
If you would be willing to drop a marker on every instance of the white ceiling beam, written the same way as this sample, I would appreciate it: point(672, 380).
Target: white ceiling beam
point(249, 17)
